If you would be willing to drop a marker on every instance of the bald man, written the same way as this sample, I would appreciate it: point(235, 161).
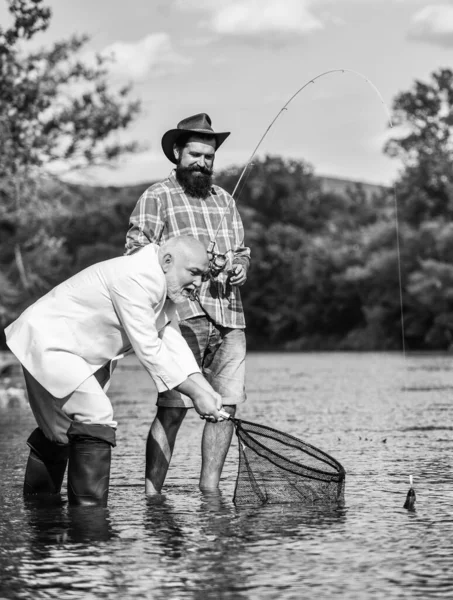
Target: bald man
point(69, 341)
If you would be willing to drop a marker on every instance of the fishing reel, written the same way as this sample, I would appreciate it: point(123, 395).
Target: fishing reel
point(217, 264)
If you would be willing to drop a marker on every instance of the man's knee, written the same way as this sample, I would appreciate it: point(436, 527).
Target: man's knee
point(170, 416)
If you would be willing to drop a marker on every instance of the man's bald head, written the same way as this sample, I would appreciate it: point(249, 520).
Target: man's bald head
point(184, 261)
point(184, 246)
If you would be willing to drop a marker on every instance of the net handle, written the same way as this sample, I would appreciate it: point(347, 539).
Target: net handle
point(226, 416)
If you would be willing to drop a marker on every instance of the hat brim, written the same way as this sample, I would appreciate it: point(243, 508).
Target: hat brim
point(170, 138)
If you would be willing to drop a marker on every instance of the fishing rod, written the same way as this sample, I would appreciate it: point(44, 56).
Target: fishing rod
point(219, 261)
point(282, 110)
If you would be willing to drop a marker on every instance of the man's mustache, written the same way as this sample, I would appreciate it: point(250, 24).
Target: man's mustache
point(198, 169)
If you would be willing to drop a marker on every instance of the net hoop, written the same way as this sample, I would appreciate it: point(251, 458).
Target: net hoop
point(316, 474)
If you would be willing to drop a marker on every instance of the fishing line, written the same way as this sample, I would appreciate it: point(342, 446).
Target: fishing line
point(282, 110)
point(400, 277)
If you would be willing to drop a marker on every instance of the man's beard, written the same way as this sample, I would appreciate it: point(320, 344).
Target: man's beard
point(195, 181)
point(175, 292)
point(177, 295)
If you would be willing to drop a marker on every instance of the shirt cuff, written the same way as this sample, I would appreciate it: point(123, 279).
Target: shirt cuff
point(164, 383)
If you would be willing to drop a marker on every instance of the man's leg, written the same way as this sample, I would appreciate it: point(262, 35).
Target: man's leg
point(80, 425)
point(89, 463)
point(224, 368)
point(48, 443)
point(214, 449)
point(46, 465)
point(160, 445)
point(172, 408)
point(91, 437)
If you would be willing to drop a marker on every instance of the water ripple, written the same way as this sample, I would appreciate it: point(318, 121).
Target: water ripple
point(383, 417)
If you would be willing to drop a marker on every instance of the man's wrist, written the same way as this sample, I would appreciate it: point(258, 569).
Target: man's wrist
point(244, 262)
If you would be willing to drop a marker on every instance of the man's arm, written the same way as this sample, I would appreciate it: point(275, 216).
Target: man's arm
point(167, 357)
point(133, 303)
point(241, 260)
point(146, 222)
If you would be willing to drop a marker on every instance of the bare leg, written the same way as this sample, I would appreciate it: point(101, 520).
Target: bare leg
point(159, 446)
point(214, 448)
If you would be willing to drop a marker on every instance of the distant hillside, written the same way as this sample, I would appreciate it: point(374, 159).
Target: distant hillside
point(343, 186)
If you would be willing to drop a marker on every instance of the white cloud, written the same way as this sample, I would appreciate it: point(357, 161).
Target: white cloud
point(254, 18)
point(152, 55)
point(433, 24)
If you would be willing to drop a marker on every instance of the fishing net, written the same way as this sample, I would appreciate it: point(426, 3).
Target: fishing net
point(275, 467)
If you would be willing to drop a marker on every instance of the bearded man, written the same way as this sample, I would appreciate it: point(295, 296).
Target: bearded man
point(187, 203)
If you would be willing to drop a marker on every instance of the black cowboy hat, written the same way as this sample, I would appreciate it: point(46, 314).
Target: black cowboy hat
point(200, 123)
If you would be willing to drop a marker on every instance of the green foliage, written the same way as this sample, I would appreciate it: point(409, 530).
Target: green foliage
point(305, 244)
point(424, 115)
point(53, 105)
point(285, 191)
point(55, 108)
point(425, 194)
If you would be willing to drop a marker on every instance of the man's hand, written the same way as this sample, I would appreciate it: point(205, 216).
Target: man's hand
point(238, 274)
point(206, 401)
point(208, 405)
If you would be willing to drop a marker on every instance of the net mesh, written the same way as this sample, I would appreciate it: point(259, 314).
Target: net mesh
point(276, 467)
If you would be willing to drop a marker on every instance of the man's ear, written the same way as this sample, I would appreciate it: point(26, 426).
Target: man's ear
point(176, 151)
point(167, 261)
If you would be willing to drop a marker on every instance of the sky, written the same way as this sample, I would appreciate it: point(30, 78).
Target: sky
point(240, 61)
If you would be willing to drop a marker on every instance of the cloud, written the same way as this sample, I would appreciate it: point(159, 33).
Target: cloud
point(433, 24)
point(153, 55)
point(255, 18)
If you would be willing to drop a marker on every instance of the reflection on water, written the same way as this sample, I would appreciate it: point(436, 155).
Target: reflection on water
point(361, 409)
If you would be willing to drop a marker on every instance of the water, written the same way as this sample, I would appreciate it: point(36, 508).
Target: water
point(382, 416)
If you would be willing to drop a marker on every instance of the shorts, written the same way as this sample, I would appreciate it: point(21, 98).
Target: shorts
point(220, 354)
point(87, 404)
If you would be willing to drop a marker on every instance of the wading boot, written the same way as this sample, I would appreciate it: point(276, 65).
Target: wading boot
point(89, 464)
point(46, 465)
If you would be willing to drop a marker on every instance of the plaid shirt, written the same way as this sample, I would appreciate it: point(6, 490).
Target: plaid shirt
point(164, 210)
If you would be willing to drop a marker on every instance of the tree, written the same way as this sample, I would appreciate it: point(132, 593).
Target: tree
point(278, 189)
point(424, 115)
point(55, 108)
point(53, 105)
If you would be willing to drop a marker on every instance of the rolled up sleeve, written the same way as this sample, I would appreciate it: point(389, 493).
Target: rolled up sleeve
point(241, 252)
point(146, 222)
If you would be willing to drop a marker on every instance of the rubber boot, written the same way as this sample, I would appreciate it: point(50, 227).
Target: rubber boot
point(89, 464)
point(46, 465)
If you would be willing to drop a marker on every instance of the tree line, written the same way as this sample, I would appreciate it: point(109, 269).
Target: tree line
point(330, 270)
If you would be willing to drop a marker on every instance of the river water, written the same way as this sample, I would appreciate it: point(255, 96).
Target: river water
point(383, 416)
